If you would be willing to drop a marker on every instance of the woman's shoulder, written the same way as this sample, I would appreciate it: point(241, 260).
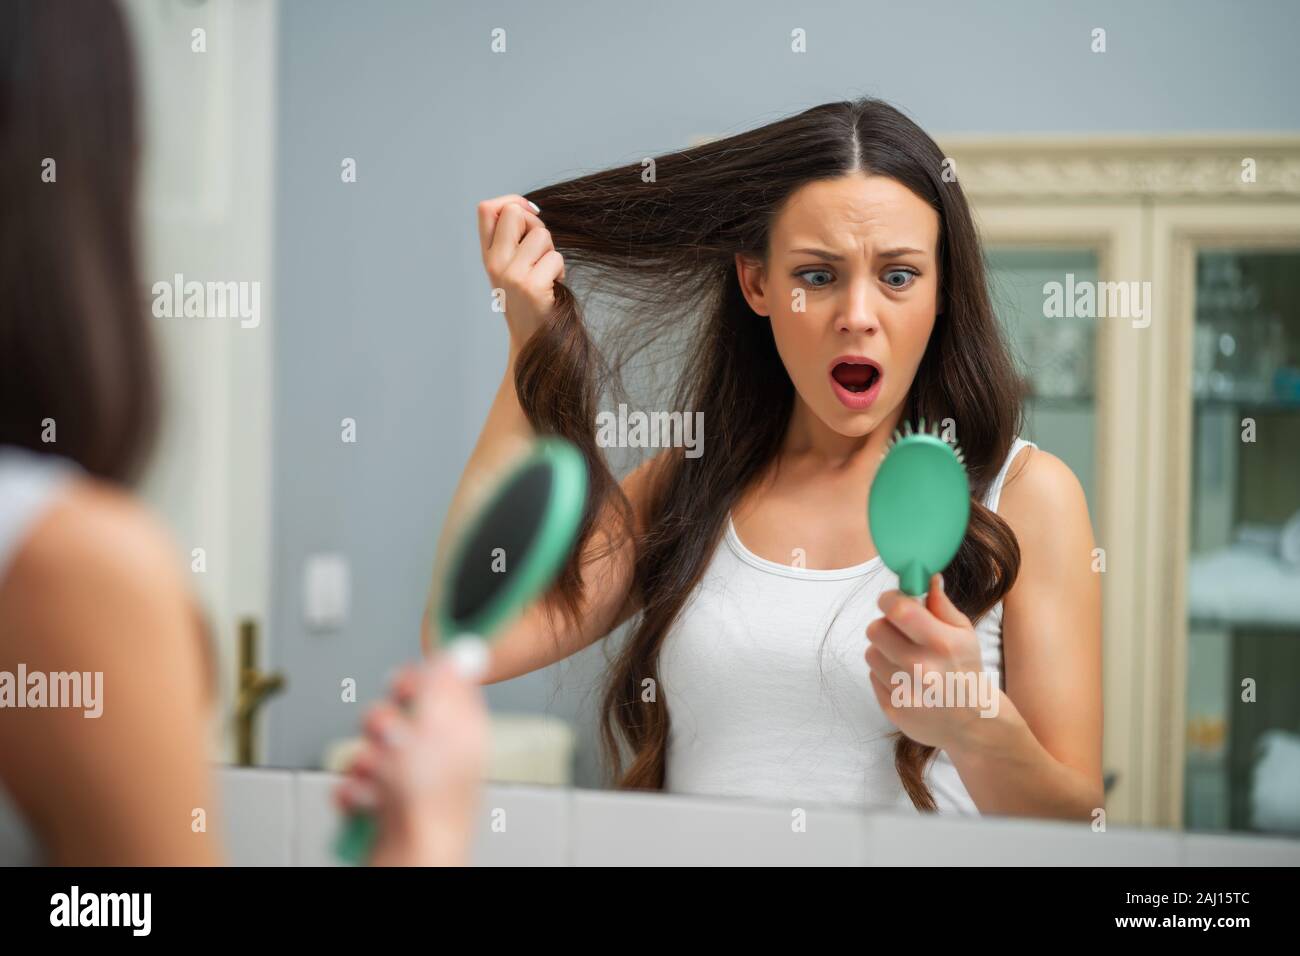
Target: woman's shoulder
point(93, 551)
point(96, 590)
point(1039, 489)
point(97, 527)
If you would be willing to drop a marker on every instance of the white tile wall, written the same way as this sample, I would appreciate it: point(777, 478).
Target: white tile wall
point(281, 818)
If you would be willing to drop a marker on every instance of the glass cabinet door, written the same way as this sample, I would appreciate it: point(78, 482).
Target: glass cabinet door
point(1243, 589)
point(1056, 355)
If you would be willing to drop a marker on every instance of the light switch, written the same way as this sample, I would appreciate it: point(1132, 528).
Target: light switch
point(326, 591)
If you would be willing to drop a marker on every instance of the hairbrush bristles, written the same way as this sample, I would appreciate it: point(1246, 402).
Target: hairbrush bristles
point(905, 430)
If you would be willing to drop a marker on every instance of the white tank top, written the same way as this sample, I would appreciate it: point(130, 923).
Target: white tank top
point(768, 699)
point(29, 484)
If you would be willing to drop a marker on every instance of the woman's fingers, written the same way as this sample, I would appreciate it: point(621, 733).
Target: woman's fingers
point(510, 226)
point(512, 251)
point(355, 794)
point(912, 618)
point(489, 211)
point(442, 693)
point(364, 763)
point(522, 265)
point(404, 683)
point(423, 763)
point(549, 269)
point(941, 605)
point(384, 725)
point(450, 710)
point(534, 246)
point(512, 223)
point(882, 669)
point(893, 644)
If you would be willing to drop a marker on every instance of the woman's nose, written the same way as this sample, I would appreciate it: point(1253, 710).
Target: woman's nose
point(859, 311)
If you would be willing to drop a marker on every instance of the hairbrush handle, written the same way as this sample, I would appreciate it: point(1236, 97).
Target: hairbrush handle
point(356, 839)
point(914, 580)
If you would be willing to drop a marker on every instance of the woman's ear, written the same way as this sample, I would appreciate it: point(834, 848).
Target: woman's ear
point(752, 275)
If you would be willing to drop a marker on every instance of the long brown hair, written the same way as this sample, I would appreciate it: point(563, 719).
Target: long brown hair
point(76, 349)
point(663, 233)
point(75, 346)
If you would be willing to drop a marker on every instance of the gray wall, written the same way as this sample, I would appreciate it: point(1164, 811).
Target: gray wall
point(382, 310)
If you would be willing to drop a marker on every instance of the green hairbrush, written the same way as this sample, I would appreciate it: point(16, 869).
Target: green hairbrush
point(507, 555)
point(919, 506)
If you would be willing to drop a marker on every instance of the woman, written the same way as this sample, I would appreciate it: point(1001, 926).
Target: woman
point(89, 581)
point(818, 281)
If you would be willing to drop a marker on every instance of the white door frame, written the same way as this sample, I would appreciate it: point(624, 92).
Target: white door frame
point(206, 197)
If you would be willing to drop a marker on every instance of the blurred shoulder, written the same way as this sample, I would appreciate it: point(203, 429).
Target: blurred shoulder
point(95, 530)
point(94, 555)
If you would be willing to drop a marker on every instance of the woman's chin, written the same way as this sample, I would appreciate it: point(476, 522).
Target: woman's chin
point(850, 423)
point(844, 421)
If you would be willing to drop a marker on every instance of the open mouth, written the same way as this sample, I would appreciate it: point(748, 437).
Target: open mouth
point(856, 378)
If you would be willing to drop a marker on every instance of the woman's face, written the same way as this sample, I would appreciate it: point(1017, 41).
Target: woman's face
point(851, 286)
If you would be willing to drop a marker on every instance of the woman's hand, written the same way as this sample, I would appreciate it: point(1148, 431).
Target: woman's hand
point(521, 261)
point(422, 767)
point(939, 704)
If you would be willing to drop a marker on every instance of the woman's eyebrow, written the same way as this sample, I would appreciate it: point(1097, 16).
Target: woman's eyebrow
point(882, 254)
point(819, 253)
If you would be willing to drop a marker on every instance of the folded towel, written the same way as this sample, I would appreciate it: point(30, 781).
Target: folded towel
point(1288, 545)
point(1243, 584)
point(1275, 783)
point(1262, 536)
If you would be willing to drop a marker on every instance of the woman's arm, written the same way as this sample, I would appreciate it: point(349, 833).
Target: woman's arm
point(98, 589)
point(533, 641)
point(520, 260)
point(1041, 756)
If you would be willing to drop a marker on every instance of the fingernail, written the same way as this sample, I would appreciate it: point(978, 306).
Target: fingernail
point(941, 584)
point(534, 206)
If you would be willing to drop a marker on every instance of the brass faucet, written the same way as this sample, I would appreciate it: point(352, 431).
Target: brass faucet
point(254, 688)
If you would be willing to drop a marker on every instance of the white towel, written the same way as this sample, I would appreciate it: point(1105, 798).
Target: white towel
point(1288, 544)
point(1275, 788)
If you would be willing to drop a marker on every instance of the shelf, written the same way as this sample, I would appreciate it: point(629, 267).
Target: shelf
point(1241, 586)
point(1063, 402)
point(1264, 404)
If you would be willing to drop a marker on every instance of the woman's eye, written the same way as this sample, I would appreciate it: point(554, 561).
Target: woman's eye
point(816, 277)
point(905, 276)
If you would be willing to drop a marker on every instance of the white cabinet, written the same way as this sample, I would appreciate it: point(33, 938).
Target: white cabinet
point(1150, 412)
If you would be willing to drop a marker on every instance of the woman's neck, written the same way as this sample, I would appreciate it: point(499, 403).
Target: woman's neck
point(810, 440)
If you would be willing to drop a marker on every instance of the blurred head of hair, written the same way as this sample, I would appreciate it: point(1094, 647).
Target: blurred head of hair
point(76, 360)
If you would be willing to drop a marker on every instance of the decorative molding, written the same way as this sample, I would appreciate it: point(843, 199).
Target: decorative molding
point(1114, 168)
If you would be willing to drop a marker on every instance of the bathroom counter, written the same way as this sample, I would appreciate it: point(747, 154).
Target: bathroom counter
point(273, 817)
